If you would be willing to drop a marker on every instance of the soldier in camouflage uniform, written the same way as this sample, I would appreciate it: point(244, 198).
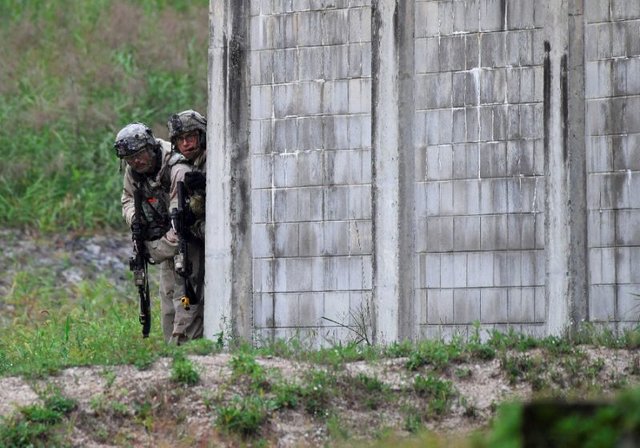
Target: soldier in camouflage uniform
point(187, 132)
point(153, 168)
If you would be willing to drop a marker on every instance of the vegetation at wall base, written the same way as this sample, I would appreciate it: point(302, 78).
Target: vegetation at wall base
point(95, 324)
point(253, 393)
point(68, 82)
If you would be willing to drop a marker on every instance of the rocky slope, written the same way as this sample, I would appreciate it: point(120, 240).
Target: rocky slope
point(125, 406)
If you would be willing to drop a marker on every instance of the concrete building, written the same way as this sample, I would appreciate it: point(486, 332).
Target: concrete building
point(409, 169)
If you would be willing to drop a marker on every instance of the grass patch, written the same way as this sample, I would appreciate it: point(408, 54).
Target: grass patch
point(244, 416)
point(69, 93)
point(615, 423)
point(438, 392)
point(92, 324)
point(37, 425)
point(183, 371)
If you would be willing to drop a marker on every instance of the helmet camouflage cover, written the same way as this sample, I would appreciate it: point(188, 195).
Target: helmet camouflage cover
point(186, 121)
point(133, 138)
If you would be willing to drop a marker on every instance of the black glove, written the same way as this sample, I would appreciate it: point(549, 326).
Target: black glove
point(182, 221)
point(138, 229)
point(194, 180)
point(197, 230)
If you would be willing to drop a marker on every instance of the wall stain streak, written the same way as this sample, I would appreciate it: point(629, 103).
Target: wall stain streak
point(546, 101)
point(564, 96)
point(376, 24)
point(237, 105)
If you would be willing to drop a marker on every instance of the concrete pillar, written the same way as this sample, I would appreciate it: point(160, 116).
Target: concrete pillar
point(565, 167)
point(393, 171)
point(228, 234)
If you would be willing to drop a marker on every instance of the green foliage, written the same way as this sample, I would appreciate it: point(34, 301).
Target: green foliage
point(287, 395)
point(317, 391)
point(63, 100)
point(203, 347)
point(340, 353)
point(435, 353)
point(244, 415)
point(244, 363)
point(60, 404)
point(589, 334)
point(591, 425)
point(413, 421)
point(370, 384)
point(477, 348)
point(336, 428)
point(521, 366)
point(183, 371)
point(439, 392)
point(36, 425)
point(93, 324)
point(399, 349)
point(372, 391)
point(292, 348)
point(103, 406)
point(505, 431)
point(511, 340)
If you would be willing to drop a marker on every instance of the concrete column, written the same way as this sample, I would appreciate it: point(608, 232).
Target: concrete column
point(565, 167)
point(393, 171)
point(228, 233)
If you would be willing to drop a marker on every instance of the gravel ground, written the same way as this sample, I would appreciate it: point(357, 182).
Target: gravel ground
point(109, 398)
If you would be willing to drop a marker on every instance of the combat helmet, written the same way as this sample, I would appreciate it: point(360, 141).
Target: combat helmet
point(187, 121)
point(133, 138)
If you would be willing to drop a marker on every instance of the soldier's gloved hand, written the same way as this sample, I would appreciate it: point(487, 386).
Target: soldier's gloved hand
point(195, 180)
point(138, 229)
point(197, 229)
point(197, 204)
point(189, 218)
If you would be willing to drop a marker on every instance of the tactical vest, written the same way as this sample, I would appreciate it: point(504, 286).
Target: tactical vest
point(156, 191)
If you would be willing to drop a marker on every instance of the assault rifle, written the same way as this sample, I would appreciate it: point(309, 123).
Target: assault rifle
point(138, 264)
point(181, 219)
point(195, 180)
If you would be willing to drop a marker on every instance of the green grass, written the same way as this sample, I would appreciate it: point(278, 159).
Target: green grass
point(560, 424)
point(438, 392)
point(48, 328)
point(244, 416)
point(183, 371)
point(63, 100)
point(37, 425)
point(96, 324)
point(91, 324)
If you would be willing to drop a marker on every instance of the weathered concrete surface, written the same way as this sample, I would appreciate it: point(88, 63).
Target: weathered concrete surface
point(565, 196)
point(417, 167)
point(228, 234)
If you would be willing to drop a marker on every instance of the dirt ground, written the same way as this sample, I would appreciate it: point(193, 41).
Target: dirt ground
point(125, 406)
point(110, 398)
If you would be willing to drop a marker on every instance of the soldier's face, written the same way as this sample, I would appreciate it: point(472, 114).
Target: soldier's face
point(188, 144)
point(141, 162)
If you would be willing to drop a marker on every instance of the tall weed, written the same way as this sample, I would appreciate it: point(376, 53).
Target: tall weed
point(87, 68)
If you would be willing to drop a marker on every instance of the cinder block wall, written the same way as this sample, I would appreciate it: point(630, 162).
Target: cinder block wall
point(480, 165)
point(612, 88)
point(396, 169)
point(310, 150)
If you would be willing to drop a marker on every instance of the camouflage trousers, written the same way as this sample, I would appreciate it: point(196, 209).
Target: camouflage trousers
point(188, 324)
point(178, 324)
